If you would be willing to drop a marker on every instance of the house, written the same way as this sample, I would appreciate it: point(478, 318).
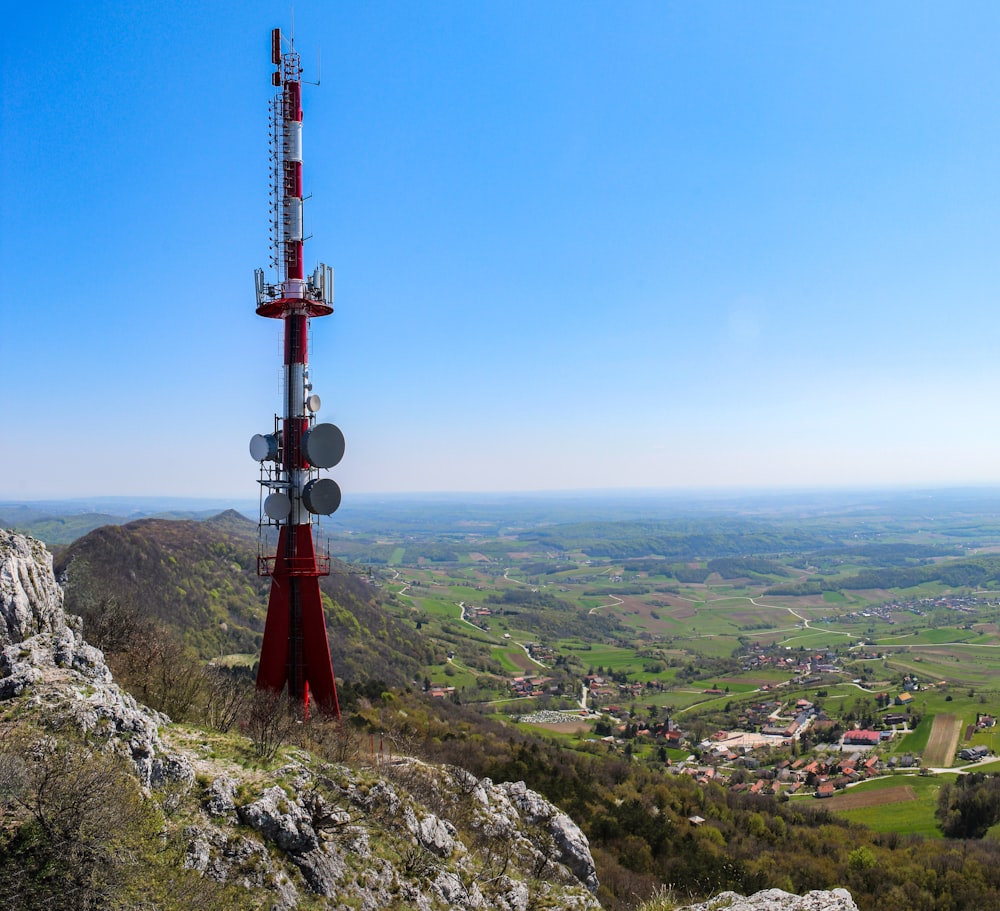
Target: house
point(973, 754)
point(863, 738)
point(904, 698)
point(673, 737)
point(826, 789)
point(440, 692)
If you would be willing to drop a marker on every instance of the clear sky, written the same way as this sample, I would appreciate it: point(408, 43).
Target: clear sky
point(577, 244)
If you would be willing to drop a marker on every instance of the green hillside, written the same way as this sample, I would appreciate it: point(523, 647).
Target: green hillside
point(199, 580)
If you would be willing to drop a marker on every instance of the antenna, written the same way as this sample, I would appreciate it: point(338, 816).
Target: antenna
point(295, 652)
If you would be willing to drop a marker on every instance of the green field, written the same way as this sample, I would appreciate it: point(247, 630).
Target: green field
point(914, 816)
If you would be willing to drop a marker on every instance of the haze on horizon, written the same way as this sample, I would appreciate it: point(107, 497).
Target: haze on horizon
point(640, 245)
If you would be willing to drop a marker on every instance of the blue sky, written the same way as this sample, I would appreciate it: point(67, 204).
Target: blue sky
point(577, 244)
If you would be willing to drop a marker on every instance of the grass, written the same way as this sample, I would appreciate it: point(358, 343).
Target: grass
point(911, 816)
point(503, 655)
point(916, 740)
point(436, 607)
point(245, 660)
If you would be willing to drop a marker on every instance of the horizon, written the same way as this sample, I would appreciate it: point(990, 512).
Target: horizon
point(610, 494)
point(579, 248)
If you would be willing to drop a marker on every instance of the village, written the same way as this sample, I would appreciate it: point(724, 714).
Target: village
point(769, 745)
point(968, 604)
point(776, 746)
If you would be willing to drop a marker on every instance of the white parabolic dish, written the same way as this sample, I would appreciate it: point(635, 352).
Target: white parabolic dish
point(263, 446)
point(278, 506)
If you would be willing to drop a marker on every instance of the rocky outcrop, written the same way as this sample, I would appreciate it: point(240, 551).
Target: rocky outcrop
point(438, 836)
point(571, 845)
point(30, 598)
point(777, 900)
point(44, 658)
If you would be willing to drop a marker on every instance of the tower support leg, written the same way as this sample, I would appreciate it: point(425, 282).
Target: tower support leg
point(296, 651)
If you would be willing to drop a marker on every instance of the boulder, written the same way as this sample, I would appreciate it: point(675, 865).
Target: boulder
point(777, 900)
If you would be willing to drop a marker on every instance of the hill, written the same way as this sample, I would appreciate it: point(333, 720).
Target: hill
point(198, 579)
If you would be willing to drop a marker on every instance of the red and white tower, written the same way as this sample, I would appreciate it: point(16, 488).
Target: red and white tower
point(295, 652)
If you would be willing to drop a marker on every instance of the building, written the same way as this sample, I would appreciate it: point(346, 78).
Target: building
point(863, 738)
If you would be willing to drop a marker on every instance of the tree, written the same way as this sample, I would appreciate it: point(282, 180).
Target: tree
point(970, 806)
point(269, 723)
point(161, 672)
point(227, 695)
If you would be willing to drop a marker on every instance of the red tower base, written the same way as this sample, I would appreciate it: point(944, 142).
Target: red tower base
point(296, 651)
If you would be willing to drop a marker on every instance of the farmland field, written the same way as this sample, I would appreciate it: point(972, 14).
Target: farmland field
point(892, 804)
point(943, 740)
point(856, 800)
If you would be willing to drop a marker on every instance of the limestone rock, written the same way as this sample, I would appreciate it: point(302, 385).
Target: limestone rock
point(30, 597)
point(437, 835)
point(288, 825)
point(572, 846)
point(44, 657)
point(777, 900)
point(233, 858)
point(222, 798)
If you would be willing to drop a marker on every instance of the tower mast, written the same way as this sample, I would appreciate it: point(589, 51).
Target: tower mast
point(295, 652)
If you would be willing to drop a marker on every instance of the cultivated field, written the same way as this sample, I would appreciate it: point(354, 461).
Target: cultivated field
point(856, 800)
point(943, 741)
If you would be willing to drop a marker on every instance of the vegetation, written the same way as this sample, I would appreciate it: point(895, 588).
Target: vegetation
point(77, 833)
point(695, 621)
point(969, 807)
point(198, 582)
point(644, 828)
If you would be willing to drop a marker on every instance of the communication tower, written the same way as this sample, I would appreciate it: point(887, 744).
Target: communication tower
point(295, 652)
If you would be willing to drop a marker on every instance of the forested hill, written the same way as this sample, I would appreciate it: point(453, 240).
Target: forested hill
point(681, 539)
point(972, 572)
point(199, 580)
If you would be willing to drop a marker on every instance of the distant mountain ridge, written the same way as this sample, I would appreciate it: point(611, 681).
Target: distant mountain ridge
point(60, 522)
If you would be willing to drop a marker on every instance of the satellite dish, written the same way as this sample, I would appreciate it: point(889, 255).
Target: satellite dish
point(321, 496)
point(313, 403)
point(324, 446)
point(264, 447)
point(278, 506)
